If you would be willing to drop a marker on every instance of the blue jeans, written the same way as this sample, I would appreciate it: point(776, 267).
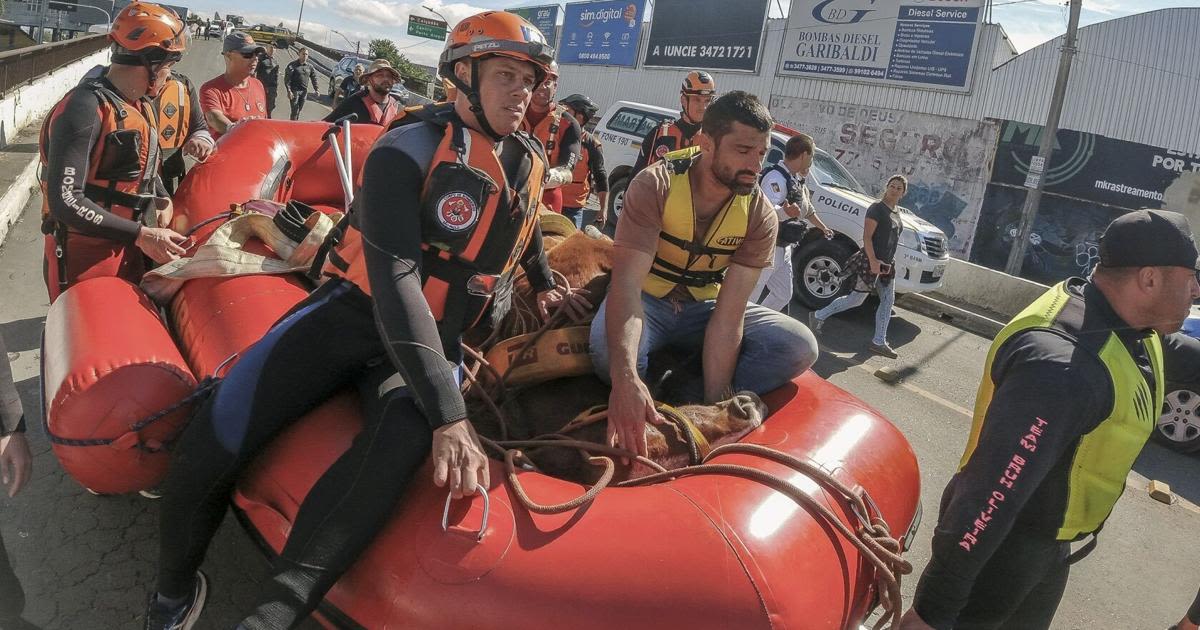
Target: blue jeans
point(775, 348)
point(883, 315)
point(582, 217)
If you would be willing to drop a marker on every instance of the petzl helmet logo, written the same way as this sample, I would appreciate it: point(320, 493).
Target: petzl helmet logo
point(457, 211)
point(837, 15)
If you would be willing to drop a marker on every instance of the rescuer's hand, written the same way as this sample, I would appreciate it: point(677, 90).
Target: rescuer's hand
point(199, 147)
point(791, 209)
point(630, 407)
point(458, 459)
point(16, 463)
point(574, 303)
point(162, 245)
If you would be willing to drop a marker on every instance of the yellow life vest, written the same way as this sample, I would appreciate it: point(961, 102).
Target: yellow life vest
point(1105, 455)
point(681, 258)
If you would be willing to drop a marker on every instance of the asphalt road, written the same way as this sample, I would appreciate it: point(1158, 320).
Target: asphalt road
point(87, 562)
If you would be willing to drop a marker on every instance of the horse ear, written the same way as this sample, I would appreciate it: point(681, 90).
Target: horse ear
point(747, 406)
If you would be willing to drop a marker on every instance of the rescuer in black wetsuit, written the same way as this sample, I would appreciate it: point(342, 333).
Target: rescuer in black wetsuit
point(388, 309)
point(1071, 390)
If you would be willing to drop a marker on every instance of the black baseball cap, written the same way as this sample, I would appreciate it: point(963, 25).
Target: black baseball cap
point(1149, 238)
point(240, 42)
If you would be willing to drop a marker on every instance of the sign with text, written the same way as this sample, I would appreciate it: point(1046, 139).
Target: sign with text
point(916, 43)
point(709, 34)
point(427, 27)
point(545, 18)
point(602, 33)
point(945, 159)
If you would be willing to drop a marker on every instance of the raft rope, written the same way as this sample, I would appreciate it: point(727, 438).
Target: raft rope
point(871, 535)
point(131, 438)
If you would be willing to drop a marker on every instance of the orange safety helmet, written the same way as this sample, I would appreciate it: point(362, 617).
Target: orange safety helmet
point(700, 83)
point(552, 72)
point(143, 27)
point(493, 33)
point(496, 33)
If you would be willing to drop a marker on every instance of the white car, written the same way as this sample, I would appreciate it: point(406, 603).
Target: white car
point(838, 198)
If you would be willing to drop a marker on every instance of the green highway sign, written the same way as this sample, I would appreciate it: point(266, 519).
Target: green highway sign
point(427, 28)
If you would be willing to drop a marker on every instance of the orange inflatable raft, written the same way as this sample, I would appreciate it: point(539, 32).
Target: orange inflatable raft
point(709, 551)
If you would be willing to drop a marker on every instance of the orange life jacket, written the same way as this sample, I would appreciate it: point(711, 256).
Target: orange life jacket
point(124, 162)
point(475, 225)
point(575, 194)
point(670, 138)
point(382, 114)
point(548, 132)
point(173, 106)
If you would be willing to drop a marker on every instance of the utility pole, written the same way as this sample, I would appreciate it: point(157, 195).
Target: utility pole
point(1039, 166)
point(299, 19)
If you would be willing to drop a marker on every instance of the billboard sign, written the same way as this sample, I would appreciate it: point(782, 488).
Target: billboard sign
point(545, 18)
point(916, 43)
point(709, 34)
point(602, 33)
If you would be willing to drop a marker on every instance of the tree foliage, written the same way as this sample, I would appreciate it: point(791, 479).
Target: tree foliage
point(386, 49)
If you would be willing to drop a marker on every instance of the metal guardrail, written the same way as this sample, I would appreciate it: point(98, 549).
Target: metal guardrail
point(23, 65)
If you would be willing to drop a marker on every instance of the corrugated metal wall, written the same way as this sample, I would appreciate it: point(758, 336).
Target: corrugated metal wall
point(1136, 78)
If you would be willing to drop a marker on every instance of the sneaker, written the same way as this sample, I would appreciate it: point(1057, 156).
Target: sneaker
point(883, 350)
point(159, 617)
point(815, 324)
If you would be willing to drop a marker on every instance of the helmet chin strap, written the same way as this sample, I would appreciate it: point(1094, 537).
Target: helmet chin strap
point(472, 93)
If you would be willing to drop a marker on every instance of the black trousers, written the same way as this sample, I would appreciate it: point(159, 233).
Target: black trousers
point(329, 341)
point(1020, 587)
point(12, 596)
point(298, 98)
point(272, 92)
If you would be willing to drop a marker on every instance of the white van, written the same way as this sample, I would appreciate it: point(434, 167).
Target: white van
point(839, 199)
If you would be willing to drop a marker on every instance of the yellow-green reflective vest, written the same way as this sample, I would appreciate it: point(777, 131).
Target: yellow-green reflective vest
point(680, 259)
point(1105, 455)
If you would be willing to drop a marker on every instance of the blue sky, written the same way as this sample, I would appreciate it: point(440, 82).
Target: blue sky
point(1027, 22)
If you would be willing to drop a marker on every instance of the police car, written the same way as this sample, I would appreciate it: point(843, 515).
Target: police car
point(838, 198)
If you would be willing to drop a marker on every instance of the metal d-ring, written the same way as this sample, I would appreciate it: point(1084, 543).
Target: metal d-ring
point(487, 505)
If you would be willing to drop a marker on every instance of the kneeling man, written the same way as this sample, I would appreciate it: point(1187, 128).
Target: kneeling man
point(694, 236)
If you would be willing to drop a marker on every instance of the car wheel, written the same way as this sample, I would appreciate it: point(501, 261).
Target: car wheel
point(816, 272)
point(1178, 428)
point(616, 202)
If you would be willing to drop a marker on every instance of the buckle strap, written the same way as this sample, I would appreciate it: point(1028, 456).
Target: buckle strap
point(686, 277)
point(106, 195)
point(694, 248)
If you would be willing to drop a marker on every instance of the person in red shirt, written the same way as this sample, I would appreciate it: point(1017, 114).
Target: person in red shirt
point(236, 95)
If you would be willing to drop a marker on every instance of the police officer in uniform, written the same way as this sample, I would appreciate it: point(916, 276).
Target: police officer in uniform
point(431, 251)
point(100, 153)
point(267, 72)
point(1071, 391)
point(698, 90)
point(784, 185)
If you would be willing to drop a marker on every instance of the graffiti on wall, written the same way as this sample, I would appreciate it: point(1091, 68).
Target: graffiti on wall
point(1090, 181)
point(947, 160)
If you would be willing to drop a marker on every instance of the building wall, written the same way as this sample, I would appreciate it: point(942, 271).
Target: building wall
point(946, 160)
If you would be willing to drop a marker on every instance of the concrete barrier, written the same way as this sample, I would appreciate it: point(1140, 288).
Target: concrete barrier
point(992, 291)
point(20, 107)
point(30, 102)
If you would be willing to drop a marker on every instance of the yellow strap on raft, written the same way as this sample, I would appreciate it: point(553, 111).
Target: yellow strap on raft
point(558, 353)
point(600, 412)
